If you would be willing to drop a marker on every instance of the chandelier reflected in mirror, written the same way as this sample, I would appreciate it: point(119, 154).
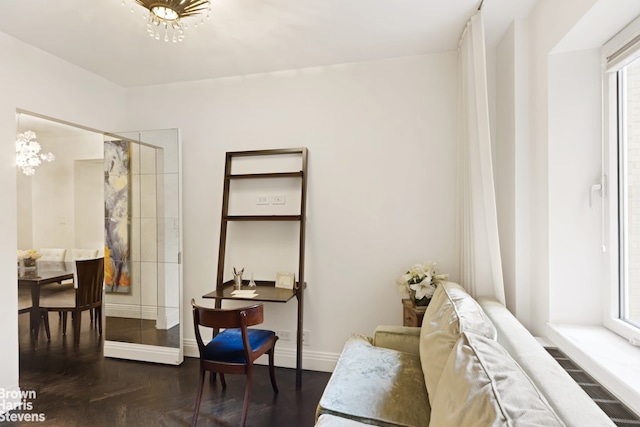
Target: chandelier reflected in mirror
point(166, 18)
point(28, 154)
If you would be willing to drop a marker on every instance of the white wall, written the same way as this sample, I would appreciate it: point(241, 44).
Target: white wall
point(549, 124)
point(381, 139)
point(25, 211)
point(505, 162)
point(546, 29)
point(524, 140)
point(53, 199)
point(575, 135)
point(88, 187)
point(513, 169)
point(34, 81)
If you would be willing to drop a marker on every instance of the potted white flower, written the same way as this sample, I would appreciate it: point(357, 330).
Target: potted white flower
point(28, 257)
point(420, 282)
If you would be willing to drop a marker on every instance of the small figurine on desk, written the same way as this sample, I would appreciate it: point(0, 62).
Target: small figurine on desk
point(252, 284)
point(237, 277)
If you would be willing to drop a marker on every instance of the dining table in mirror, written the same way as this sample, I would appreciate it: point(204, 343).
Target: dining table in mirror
point(44, 273)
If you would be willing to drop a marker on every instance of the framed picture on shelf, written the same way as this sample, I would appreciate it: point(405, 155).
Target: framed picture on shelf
point(285, 280)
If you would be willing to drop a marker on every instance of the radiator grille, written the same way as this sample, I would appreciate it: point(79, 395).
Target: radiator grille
point(620, 414)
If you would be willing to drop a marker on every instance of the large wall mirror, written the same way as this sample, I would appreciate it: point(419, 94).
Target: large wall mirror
point(72, 203)
point(143, 246)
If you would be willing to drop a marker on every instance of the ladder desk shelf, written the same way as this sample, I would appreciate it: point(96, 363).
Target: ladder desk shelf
point(266, 290)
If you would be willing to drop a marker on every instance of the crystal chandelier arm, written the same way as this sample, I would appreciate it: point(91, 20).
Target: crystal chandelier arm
point(28, 154)
point(165, 16)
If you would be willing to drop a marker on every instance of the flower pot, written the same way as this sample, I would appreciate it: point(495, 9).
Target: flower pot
point(29, 262)
point(422, 302)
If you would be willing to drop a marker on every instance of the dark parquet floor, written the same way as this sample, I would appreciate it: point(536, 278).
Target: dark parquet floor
point(77, 386)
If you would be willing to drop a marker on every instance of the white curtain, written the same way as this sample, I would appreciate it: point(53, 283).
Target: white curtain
point(480, 264)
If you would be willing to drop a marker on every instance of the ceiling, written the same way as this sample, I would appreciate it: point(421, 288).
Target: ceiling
point(247, 36)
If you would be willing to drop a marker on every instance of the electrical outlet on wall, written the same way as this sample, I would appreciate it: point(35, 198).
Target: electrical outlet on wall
point(262, 200)
point(284, 335)
point(306, 337)
point(278, 199)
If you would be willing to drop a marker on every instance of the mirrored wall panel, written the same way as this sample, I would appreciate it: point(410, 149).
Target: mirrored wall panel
point(143, 243)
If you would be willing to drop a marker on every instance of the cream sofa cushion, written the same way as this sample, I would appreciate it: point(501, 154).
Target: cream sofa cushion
point(451, 311)
point(572, 404)
point(481, 385)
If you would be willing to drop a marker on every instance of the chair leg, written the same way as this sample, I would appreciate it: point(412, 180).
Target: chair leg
point(272, 371)
point(64, 322)
point(76, 328)
point(247, 395)
point(222, 381)
point(45, 318)
point(99, 319)
point(194, 420)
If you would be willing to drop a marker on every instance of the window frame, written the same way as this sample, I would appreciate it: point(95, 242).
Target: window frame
point(613, 130)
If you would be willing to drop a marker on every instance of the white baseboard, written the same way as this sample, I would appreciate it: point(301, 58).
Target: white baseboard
point(168, 318)
point(130, 311)
point(284, 357)
point(143, 352)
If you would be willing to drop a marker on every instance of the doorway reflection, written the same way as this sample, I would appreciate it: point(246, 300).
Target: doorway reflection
point(62, 205)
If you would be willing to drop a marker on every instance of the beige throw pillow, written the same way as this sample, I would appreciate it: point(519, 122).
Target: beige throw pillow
point(481, 385)
point(451, 311)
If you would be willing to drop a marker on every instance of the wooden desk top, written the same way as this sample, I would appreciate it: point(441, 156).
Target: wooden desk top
point(266, 290)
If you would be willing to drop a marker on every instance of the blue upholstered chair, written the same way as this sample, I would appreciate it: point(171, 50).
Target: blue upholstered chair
point(234, 349)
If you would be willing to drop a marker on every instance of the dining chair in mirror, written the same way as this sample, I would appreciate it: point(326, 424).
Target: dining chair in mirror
point(52, 254)
point(233, 350)
point(77, 253)
point(88, 295)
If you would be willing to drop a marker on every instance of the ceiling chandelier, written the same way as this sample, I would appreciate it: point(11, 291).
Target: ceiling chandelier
point(28, 154)
point(166, 17)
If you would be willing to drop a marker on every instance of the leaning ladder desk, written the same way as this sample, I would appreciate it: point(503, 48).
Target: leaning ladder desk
point(266, 290)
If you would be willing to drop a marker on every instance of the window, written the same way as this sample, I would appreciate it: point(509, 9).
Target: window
point(628, 189)
point(621, 163)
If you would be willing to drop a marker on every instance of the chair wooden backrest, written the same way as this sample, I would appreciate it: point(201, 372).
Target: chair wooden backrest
point(52, 254)
point(216, 318)
point(90, 280)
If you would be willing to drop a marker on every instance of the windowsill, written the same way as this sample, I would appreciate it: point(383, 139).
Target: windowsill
point(606, 356)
